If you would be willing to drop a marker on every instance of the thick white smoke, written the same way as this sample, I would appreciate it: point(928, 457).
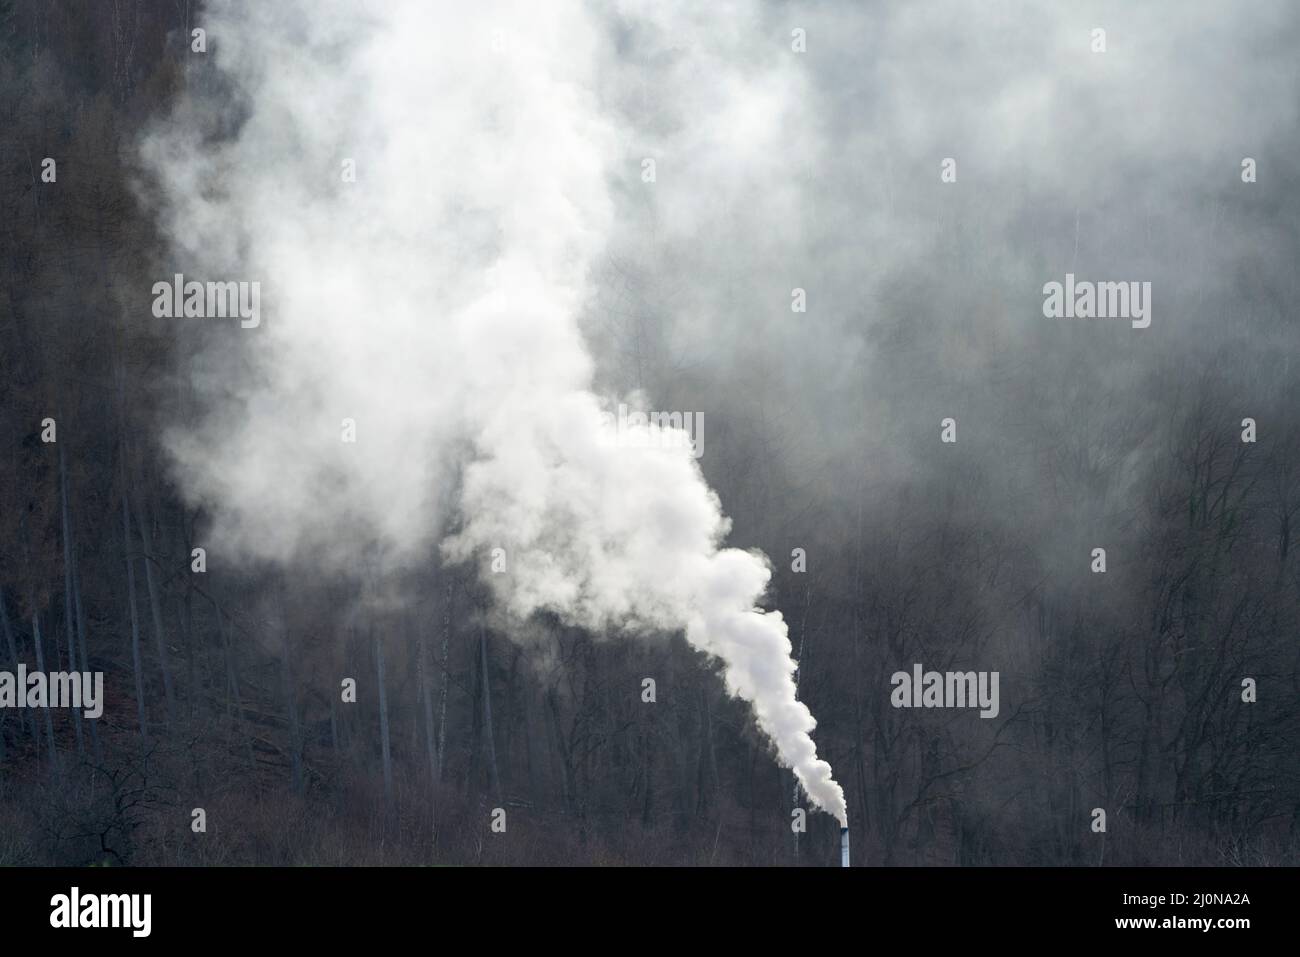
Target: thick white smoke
point(435, 302)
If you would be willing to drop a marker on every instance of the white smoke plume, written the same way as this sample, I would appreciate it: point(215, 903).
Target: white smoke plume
point(435, 302)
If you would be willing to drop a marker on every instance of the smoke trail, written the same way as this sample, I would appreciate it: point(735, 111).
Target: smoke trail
point(434, 303)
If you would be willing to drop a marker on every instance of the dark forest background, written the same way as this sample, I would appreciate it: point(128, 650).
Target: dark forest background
point(1120, 691)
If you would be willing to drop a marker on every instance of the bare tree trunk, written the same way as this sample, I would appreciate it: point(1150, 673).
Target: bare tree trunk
point(530, 740)
point(487, 715)
point(290, 700)
point(568, 784)
point(334, 725)
point(67, 591)
point(40, 666)
point(135, 621)
point(85, 654)
point(185, 624)
point(648, 765)
point(232, 681)
point(155, 609)
point(446, 676)
point(426, 705)
point(383, 720)
point(13, 655)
